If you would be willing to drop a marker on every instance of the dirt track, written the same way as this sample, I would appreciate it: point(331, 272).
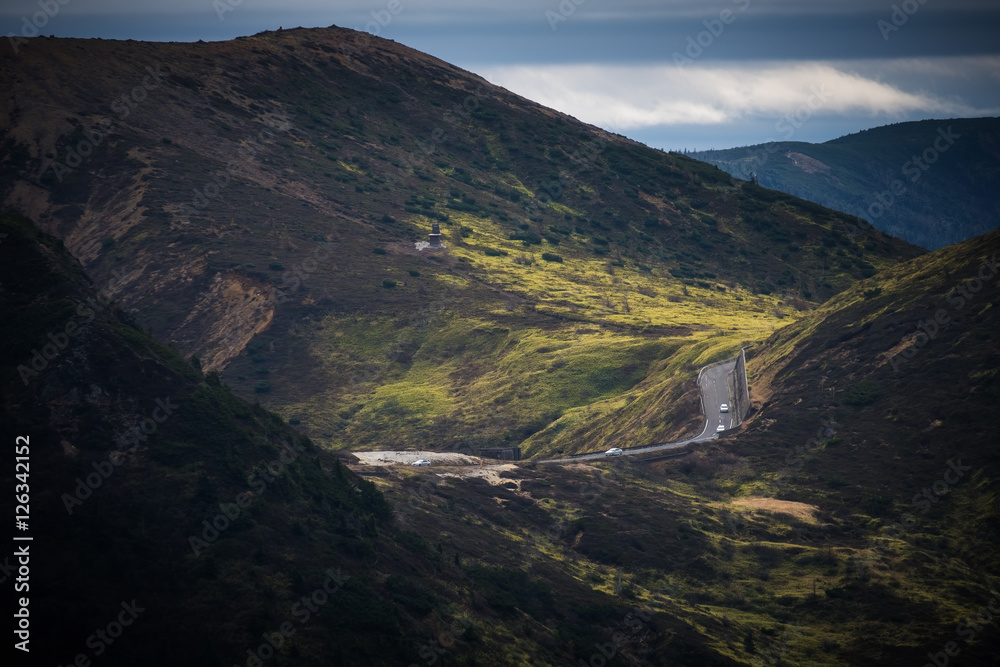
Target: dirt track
point(406, 457)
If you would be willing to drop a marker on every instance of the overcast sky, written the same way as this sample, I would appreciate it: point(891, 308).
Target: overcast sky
point(674, 74)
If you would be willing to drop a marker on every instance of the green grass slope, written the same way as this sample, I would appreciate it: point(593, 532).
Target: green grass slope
point(944, 173)
point(650, 564)
point(259, 207)
point(851, 521)
point(134, 453)
point(879, 408)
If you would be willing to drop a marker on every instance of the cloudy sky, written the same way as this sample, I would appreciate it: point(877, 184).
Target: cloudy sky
point(674, 74)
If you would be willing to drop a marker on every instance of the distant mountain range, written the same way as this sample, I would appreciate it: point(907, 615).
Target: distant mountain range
point(931, 182)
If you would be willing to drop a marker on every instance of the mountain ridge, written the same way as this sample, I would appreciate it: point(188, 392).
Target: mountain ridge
point(266, 198)
point(928, 181)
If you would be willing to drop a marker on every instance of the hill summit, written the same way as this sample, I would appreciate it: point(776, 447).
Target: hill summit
point(260, 203)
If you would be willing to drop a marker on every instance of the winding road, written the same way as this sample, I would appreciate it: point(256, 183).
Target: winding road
point(714, 392)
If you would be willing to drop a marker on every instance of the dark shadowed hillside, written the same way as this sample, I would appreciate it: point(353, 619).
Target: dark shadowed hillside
point(131, 450)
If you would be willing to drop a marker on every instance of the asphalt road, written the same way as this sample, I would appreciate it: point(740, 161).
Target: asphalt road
point(714, 392)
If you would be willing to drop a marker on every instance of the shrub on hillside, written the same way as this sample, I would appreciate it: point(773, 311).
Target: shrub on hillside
point(863, 393)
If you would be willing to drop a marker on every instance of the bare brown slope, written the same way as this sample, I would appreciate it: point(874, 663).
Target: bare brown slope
point(267, 142)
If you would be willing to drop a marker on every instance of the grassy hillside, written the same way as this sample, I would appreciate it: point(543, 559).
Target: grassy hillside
point(869, 408)
point(219, 524)
point(943, 170)
point(733, 554)
point(852, 520)
point(259, 206)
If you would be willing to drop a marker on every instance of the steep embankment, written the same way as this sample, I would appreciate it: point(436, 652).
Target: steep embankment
point(154, 485)
point(879, 409)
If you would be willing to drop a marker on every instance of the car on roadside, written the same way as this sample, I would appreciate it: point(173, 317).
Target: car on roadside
point(724, 408)
point(421, 462)
point(614, 451)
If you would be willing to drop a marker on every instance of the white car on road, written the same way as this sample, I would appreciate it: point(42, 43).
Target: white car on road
point(720, 428)
point(614, 451)
point(421, 462)
point(724, 408)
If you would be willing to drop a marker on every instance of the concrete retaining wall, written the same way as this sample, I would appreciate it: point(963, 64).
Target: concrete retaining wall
point(501, 453)
point(738, 390)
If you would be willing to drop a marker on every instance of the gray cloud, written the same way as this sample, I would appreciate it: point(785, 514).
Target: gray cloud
point(937, 63)
point(621, 8)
